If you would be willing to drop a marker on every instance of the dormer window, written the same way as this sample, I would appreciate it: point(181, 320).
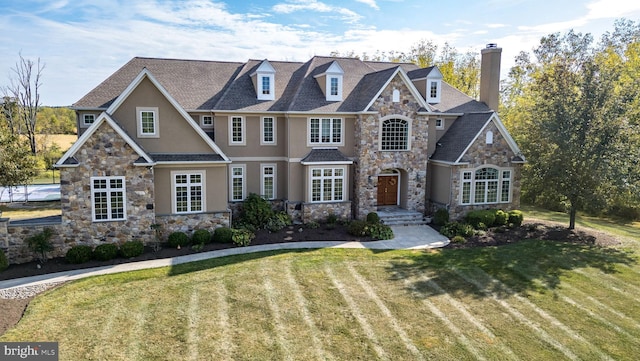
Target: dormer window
point(330, 82)
point(434, 90)
point(264, 81)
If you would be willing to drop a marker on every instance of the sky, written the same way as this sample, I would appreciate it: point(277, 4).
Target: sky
point(82, 42)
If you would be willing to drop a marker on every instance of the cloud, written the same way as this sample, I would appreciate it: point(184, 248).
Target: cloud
point(314, 5)
point(605, 9)
point(371, 3)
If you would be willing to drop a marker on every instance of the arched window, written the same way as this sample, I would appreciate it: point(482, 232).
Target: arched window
point(395, 134)
point(486, 185)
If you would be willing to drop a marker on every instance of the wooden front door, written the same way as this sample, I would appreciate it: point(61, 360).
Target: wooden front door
point(388, 190)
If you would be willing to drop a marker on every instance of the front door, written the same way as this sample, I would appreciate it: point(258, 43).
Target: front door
point(388, 190)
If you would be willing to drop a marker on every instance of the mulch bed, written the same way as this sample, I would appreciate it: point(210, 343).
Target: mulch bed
point(12, 309)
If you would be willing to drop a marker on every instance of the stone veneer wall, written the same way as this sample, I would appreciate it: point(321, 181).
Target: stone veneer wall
point(320, 211)
point(188, 223)
point(371, 161)
point(106, 154)
point(13, 240)
point(498, 154)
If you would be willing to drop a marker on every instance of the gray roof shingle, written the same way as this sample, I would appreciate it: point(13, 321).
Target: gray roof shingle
point(185, 158)
point(459, 136)
point(325, 155)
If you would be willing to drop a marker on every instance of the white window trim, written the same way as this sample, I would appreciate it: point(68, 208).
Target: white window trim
point(174, 204)
point(441, 126)
point(244, 181)
point(275, 180)
point(435, 99)
point(345, 182)
point(84, 119)
point(202, 124)
point(331, 97)
point(271, 95)
point(244, 130)
point(156, 115)
point(409, 134)
point(315, 144)
point(472, 191)
point(275, 132)
point(108, 190)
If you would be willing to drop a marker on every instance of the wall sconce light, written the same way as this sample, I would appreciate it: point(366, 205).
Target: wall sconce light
point(417, 177)
point(370, 179)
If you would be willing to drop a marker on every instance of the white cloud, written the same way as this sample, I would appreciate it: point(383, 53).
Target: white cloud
point(371, 3)
point(603, 9)
point(314, 5)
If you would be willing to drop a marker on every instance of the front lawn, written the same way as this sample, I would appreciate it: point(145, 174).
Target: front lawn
point(533, 300)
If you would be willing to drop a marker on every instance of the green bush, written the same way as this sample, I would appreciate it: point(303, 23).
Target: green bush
point(105, 252)
point(278, 222)
point(178, 239)
point(131, 249)
point(358, 228)
point(486, 216)
point(79, 254)
point(223, 235)
point(331, 219)
point(41, 244)
point(441, 217)
point(501, 218)
point(380, 231)
point(4, 263)
point(516, 217)
point(201, 236)
point(242, 237)
point(312, 225)
point(256, 211)
point(373, 218)
point(458, 239)
point(453, 229)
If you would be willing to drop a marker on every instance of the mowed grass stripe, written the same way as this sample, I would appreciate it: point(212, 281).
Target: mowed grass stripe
point(609, 282)
point(280, 329)
point(193, 338)
point(385, 311)
point(301, 304)
point(355, 310)
point(519, 316)
point(459, 307)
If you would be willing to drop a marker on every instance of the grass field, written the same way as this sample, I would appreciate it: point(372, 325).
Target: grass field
point(30, 210)
point(534, 300)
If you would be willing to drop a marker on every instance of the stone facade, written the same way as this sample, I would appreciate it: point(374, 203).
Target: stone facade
point(188, 223)
point(320, 211)
point(372, 161)
point(480, 153)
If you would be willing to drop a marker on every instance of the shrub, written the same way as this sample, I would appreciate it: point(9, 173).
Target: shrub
point(178, 239)
point(501, 218)
point(486, 216)
point(380, 231)
point(458, 239)
point(278, 222)
point(256, 211)
point(331, 219)
point(223, 235)
point(79, 254)
point(516, 217)
point(453, 229)
point(312, 225)
point(131, 249)
point(242, 237)
point(41, 244)
point(373, 218)
point(201, 236)
point(441, 217)
point(105, 252)
point(4, 263)
point(358, 228)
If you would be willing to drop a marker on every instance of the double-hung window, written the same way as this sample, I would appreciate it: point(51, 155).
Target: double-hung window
point(325, 131)
point(268, 131)
point(108, 199)
point(328, 184)
point(268, 184)
point(238, 186)
point(485, 186)
point(147, 122)
point(237, 131)
point(188, 191)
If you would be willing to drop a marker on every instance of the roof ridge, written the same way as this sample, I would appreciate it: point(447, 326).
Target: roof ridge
point(298, 86)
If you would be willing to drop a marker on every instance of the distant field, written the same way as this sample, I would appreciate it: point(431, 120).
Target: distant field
point(64, 141)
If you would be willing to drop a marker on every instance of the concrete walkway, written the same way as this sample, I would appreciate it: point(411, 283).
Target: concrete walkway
point(406, 237)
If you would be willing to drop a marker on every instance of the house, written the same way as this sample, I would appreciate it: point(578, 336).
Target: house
point(181, 143)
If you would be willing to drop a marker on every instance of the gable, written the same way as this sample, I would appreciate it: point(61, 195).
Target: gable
point(173, 122)
point(397, 92)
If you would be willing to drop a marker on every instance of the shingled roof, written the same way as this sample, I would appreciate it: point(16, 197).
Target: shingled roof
point(459, 136)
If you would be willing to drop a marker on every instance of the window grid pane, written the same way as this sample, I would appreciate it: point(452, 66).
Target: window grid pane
point(147, 120)
point(395, 134)
point(334, 86)
point(267, 130)
point(265, 85)
point(108, 198)
point(325, 131)
point(236, 131)
point(327, 184)
point(268, 182)
point(237, 183)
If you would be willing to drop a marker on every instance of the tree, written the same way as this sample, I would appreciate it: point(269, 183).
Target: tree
point(24, 91)
point(16, 162)
point(575, 129)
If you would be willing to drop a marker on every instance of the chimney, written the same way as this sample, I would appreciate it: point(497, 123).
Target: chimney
point(490, 75)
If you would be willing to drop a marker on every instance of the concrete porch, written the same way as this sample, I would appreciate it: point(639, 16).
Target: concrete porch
point(396, 216)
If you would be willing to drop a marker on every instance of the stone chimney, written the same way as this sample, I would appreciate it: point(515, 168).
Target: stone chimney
point(490, 76)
